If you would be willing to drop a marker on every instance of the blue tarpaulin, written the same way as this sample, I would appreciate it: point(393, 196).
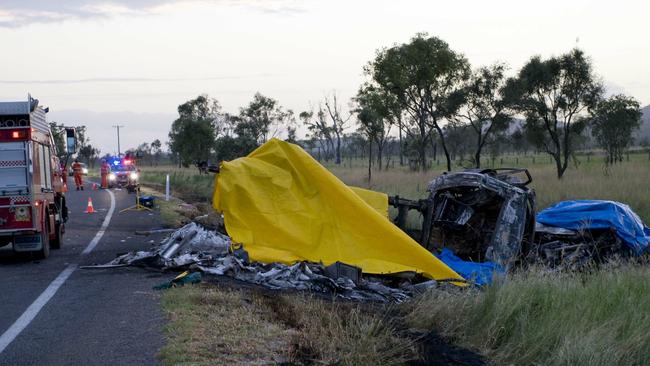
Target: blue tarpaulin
point(595, 214)
point(478, 273)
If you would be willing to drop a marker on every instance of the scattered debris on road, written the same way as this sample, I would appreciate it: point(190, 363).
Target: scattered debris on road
point(195, 249)
point(180, 280)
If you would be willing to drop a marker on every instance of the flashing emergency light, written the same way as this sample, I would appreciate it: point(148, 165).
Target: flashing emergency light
point(116, 163)
point(127, 162)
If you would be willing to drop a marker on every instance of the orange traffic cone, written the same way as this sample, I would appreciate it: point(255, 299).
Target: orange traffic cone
point(90, 208)
point(94, 186)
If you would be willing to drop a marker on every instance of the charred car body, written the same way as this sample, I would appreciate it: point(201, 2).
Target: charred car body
point(489, 216)
point(482, 215)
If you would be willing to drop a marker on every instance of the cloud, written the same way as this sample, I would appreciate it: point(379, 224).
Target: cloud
point(133, 79)
point(18, 13)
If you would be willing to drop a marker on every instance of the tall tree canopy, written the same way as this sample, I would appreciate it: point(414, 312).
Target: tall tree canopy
point(556, 96)
point(376, 117)
point(193, 133)
point(261, 119)
point(615, 120)
point(422, 75)
point(483, 106)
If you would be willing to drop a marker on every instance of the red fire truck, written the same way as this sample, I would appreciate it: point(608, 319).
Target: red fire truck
point(33, 210)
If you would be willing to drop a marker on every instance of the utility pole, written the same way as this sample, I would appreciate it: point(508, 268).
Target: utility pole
point(118, 138)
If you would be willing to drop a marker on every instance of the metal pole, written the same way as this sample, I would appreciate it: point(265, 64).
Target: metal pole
point(118, 139)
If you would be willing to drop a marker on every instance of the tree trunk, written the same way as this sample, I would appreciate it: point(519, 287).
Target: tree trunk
point(379, 155)
point(558, 165)
point(338, 149)
point(444, 146)
point(477, 155)
point(401, 150)
point(369, 160)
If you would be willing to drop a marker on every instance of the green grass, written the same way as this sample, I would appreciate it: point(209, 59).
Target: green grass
point(600, 318)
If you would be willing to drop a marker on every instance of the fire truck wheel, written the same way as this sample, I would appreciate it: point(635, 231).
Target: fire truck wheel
point(45, 239)
point(58, 237)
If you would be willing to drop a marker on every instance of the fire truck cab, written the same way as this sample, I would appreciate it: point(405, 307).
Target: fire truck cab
point(33, 210)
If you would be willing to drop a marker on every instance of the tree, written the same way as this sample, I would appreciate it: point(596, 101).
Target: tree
point(259, 117)
point(422, 75)
point(192, 136)
point(89, 154)
point(555, 95)
point(483, 106)
point(290, 122)
point(156, 149)
point(615, 120)
point(338, 122)
point(58, 134)
point(320, 131)
point(375, 118)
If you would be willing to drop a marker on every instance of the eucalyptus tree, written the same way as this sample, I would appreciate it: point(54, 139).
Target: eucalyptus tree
point(615, 120)
point(556, 95)
point(422, 75)
point(484, 107)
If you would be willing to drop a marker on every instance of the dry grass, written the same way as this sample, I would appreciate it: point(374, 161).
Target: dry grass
point(212, 325)
point(627, 182)
point(598, 318)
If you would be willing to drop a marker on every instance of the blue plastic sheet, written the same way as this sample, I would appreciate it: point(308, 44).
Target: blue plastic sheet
point(595, 214)
point(478, 273)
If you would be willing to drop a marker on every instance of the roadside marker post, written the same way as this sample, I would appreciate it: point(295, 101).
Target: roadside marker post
point(167, 188)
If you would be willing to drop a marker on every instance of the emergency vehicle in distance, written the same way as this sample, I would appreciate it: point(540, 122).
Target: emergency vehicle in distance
point(124, 173)
point(33, 210)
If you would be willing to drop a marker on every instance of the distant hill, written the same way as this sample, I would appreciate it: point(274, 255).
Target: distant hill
point(644, 132)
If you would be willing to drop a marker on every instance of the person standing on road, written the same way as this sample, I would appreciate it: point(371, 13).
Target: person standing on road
point(105, 169)
point(77, 171)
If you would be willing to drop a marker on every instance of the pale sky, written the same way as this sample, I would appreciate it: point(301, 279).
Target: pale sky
point(133, 62)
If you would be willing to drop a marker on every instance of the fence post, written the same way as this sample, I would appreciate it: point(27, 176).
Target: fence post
point(167, 188)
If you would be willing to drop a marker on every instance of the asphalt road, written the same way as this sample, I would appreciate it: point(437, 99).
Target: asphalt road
point(97, 317)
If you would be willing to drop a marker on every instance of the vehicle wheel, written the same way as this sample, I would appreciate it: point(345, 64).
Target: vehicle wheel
point(45, 239)
point(58, 238)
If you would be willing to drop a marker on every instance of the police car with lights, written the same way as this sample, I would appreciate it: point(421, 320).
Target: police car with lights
point(124, 173)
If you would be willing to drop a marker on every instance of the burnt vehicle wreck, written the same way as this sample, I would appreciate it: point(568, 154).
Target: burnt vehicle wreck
point(482, 215)
point(489, 215)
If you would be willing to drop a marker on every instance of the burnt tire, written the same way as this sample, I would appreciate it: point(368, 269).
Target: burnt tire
point(58, 237)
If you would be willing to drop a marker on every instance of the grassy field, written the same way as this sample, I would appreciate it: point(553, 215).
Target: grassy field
point(628, 182)
point(598, 317)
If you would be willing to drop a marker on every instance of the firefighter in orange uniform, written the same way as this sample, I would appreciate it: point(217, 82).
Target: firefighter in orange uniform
point(77, 171)
point(105, 169)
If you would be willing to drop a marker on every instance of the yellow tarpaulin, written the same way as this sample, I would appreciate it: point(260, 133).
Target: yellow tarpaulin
point(283, 206)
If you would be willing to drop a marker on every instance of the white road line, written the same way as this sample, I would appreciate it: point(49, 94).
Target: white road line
point(100, 233)
point(19, 325)
point(33, 309)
